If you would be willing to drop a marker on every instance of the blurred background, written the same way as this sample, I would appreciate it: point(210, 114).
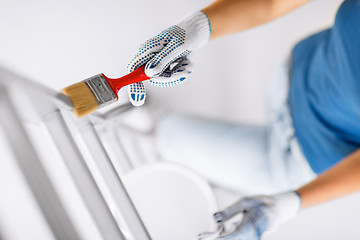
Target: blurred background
point(57, 43)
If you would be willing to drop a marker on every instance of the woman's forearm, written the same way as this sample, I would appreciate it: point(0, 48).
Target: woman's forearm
point(342, 179)
point(231, 16)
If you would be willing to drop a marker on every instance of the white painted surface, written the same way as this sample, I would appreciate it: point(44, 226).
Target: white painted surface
point(173, 201)
point(20, 218)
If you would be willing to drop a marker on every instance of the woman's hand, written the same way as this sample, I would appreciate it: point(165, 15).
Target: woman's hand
point(259, 214)
point(166, 55)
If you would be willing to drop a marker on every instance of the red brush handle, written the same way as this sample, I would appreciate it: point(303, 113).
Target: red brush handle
point(137, 75)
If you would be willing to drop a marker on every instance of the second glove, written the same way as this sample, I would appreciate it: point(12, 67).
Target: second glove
point(259, 214)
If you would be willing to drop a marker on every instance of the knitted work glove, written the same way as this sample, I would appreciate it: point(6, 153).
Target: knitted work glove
point(259, 214)
point(166, 55)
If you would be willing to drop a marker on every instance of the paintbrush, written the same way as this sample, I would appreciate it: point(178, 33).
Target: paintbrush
point(99, 91)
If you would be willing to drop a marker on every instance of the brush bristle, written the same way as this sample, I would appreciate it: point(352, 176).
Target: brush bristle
point(82, 98)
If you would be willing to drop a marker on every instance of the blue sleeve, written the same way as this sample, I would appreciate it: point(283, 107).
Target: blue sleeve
point(346, 31)
point(324, 91)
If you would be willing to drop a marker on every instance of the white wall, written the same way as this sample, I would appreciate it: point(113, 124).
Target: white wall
point(61, 42)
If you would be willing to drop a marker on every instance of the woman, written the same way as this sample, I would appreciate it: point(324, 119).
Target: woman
point(309, 153)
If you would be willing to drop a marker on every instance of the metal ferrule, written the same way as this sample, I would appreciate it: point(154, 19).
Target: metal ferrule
point(101, 90)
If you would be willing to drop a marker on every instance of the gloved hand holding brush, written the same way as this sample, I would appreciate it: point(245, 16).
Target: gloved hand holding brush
point(259, 214)
point(166, 55)
point(163, 59)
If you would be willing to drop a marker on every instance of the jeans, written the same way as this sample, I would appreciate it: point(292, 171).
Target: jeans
point(247, 159)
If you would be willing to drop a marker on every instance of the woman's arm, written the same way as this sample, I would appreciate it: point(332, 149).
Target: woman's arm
point(265, 213)
point(342, 179)
point(231, 16)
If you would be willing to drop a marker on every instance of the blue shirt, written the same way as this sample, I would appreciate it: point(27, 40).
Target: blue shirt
point(324, 95)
